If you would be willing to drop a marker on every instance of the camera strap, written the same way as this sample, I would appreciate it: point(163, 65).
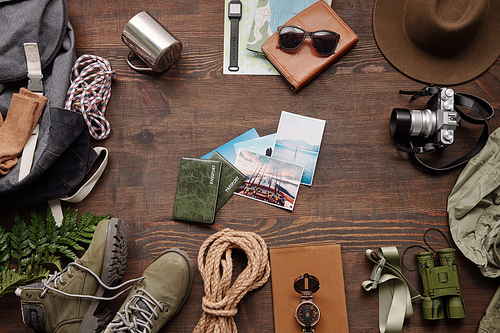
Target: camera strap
point(473, 103)
point(396, 293)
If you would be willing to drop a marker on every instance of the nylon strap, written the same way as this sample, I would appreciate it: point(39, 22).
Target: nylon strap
point(82, 192)
point(396, 293)
point(35, 85)
point(34, 66)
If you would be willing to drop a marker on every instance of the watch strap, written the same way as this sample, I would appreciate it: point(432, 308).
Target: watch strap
point(233, 45)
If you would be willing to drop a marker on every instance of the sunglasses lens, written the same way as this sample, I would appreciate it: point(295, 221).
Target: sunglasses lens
point(325, 42)
point(291, 37)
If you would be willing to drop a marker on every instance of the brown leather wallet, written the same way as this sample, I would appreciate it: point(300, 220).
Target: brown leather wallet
point(325, 263)
point(303, 64)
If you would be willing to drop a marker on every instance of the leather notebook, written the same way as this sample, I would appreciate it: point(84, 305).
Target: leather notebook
point(321, 261)
point(303, 64)
point(197, 190)
point(230, 179)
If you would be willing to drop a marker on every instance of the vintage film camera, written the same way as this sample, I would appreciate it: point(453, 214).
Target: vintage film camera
point(439, 122)
point(442, 296)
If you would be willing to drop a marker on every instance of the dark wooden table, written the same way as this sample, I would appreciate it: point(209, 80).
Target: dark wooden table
point(365, 194)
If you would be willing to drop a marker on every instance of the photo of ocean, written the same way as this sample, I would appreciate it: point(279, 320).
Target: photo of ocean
point(298, 140)
point(298, 156)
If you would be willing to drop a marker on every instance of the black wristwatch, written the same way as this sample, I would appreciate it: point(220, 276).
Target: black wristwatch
point(307, 313)
point(235, 10)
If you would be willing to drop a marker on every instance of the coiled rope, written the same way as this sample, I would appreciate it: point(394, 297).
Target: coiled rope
point(216, 267)
point(90, 91)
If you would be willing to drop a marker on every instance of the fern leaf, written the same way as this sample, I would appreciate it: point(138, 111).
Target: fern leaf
point(52, 231)
point(42, 243)
point(74, 231)
point(4, 245)
point(19, 243)
point(69, 223)
point(4, 257)
point(89, 221)
point(67, 252)
point(72, 243)
point(48, 258)
point(36, 230)
point(12, 279)
point(82, 237)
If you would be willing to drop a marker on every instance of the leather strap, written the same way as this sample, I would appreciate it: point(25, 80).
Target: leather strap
point(476, 104)
point(233, 45)
point(396, 293)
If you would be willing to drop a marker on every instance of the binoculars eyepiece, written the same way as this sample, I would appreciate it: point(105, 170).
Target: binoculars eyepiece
point(442, 295)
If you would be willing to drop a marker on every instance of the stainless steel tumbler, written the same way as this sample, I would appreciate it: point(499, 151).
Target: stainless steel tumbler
point(151, 42)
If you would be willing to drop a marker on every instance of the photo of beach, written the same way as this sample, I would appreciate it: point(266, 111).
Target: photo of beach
point(298, 140)
point(268, 179)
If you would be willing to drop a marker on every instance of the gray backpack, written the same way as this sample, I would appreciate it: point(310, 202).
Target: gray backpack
point(61, 155)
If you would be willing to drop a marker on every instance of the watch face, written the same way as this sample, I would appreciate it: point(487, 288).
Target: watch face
point(234, 8)
point(307, 313)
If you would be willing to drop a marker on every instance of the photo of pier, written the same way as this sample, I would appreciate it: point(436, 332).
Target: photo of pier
point(268, 179)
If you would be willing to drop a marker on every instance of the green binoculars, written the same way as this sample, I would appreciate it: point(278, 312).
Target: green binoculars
point(442, 296)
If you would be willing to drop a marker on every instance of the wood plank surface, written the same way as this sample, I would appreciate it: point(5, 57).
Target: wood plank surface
point(364, 195)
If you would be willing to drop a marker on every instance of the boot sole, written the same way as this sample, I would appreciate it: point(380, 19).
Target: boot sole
point(113, 270)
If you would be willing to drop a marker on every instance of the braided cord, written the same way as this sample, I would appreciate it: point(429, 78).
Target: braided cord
point(90, 91)
point(216, 268)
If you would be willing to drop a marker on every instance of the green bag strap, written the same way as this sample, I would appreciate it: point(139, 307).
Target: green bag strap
point(396, 293)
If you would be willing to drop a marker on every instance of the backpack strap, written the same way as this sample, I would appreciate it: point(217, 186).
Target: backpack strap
point(83, 191)
point(35, 85)
point(34, 65)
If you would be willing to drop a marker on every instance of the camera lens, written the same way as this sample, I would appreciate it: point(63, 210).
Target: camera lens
point(423, 123)
point(400, 122)
point(406, 122)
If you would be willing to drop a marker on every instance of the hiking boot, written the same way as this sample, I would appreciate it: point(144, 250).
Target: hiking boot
point(157, 298)
point(72, 300)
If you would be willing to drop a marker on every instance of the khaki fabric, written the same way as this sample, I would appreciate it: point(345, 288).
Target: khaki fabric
point(491, 320)
point(474, 208)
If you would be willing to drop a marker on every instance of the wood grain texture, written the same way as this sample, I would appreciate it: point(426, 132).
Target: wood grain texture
point(364, 195)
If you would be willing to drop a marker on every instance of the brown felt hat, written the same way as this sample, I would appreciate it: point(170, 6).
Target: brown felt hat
point(444, 42)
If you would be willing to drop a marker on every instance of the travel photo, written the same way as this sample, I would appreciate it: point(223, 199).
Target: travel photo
point(298, 140)
point(268, 179)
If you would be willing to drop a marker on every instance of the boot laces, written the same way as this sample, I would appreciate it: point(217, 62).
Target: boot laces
point(56, 280)
point(137, 314)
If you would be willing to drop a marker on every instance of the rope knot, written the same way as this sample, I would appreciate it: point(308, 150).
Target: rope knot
point(90, 91)
point(216, 268)
point(217, 309)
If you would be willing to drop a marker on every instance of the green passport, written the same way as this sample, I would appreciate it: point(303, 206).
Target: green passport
point(197, 189)
point(231, 178)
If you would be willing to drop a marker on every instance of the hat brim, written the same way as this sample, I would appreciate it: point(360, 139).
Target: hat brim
point(461, 67)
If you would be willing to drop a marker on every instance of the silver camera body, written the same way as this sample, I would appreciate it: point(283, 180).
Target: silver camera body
point(441, 120)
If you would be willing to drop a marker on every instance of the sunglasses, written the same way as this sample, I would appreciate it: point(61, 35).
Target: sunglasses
point(291, 37)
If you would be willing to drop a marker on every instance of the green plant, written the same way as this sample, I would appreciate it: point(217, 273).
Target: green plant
point(32, 247)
